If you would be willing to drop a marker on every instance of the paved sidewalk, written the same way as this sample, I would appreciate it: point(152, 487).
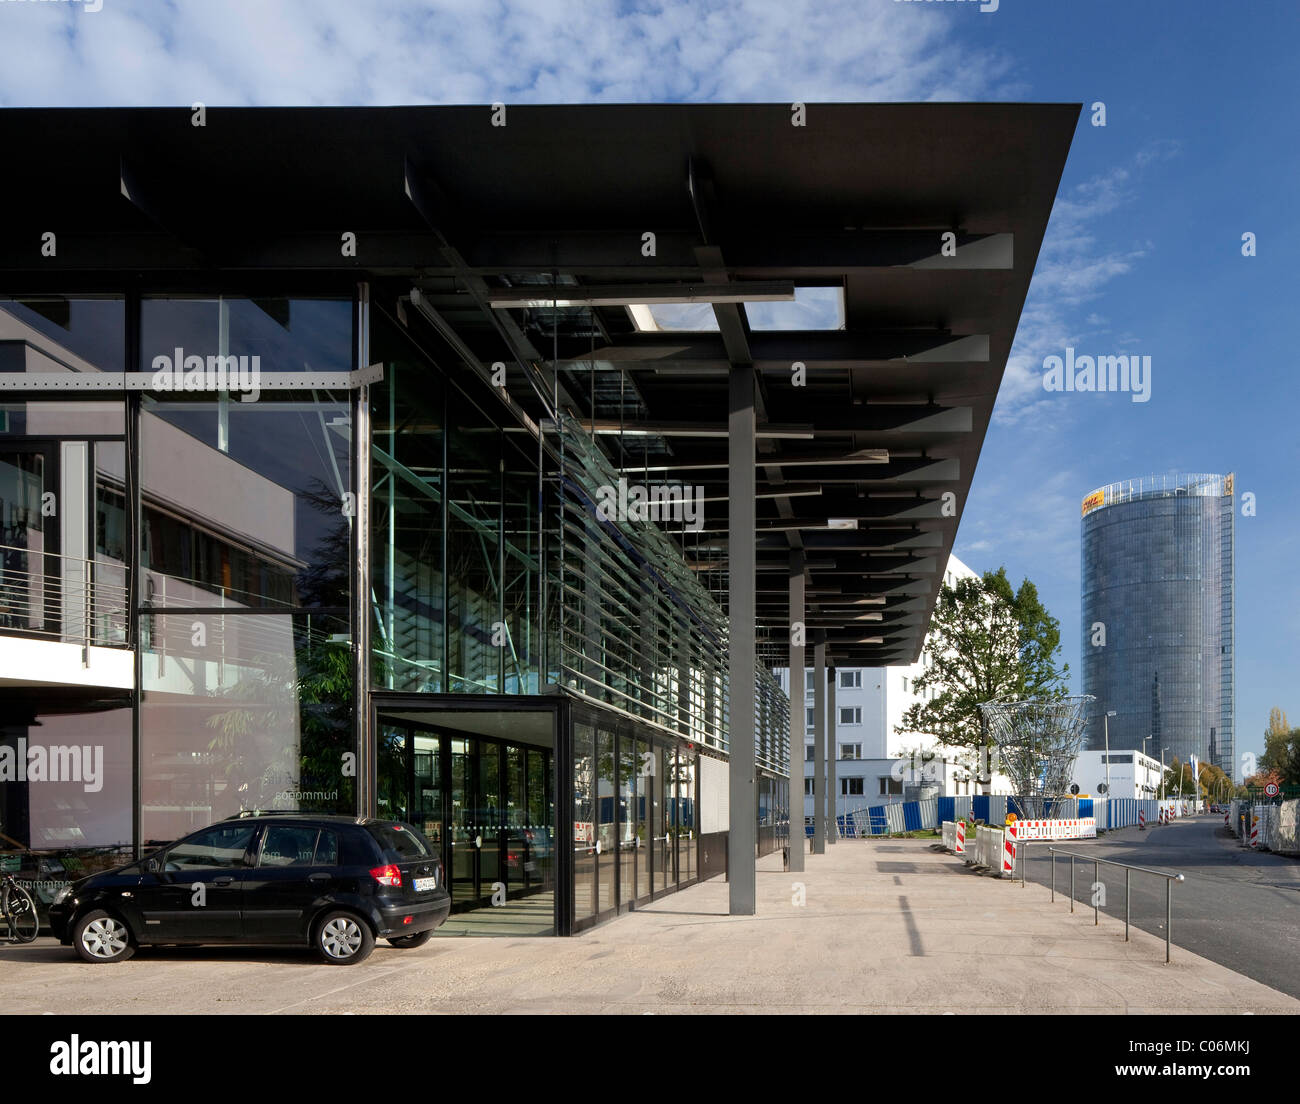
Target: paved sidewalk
point(888, 926)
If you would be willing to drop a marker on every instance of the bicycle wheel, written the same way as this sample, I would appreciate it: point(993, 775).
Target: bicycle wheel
point(23, 923)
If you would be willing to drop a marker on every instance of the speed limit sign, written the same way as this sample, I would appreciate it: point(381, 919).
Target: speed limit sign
point(1272, 789)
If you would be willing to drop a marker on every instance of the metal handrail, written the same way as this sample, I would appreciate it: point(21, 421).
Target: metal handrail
point(69, 600)
point(1128, 869)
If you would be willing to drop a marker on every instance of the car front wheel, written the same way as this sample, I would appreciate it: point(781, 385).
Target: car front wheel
point(406, 942)
point(100, 936)
point(343, 939)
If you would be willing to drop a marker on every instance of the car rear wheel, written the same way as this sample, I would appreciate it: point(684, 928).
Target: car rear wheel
point(100, 936)
point(343, 939)
point(406, 942)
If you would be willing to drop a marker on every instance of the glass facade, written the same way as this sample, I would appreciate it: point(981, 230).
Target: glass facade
point(634, 828)
point(188, 537)
point(244, 587)
point(1157, 616)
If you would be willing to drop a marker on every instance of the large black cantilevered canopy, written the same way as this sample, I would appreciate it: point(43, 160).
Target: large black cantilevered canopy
point(526, 244)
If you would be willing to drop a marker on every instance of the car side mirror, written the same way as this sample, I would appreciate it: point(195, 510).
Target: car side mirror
point(152, 866)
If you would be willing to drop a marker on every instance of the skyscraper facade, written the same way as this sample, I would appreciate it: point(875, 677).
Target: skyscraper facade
point(1157, 616)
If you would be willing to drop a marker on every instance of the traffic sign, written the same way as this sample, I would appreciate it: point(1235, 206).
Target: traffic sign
point(1272, 789)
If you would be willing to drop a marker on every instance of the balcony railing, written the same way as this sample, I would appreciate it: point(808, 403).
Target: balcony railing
point(64, 598)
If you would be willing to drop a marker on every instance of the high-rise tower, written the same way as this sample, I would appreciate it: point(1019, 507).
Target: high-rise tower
point(1157, 605)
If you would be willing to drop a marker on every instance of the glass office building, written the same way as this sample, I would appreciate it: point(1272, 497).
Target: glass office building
point(180, 584)
point(321, 432)
point(1157, 612)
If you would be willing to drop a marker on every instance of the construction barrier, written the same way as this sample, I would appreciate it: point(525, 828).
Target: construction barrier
point(954, 836)
point(1254, 831)
point(1285, 841)
point(906, 816)
point(954, 808)
point(1009, 849)
point(1076, 828)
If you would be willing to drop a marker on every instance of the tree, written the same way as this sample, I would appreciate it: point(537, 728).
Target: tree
point(1277, 740)
point(1039, 641)
point(986, 643)
point(1214, 782)
point(1260, 779)
point(1179, 781)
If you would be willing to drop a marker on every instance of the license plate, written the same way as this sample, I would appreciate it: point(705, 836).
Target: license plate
point(423, 885)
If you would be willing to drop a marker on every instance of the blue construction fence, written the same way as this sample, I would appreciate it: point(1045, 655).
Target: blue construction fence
point(911, 816)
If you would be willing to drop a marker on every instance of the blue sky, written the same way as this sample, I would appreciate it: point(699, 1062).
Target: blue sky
point(1143, 254)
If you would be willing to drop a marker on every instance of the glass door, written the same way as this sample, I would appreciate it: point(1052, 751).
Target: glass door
point(539, 867)
point(661, 823)
point(644, 790)
point(427, 792)
point(393, 772)
point(490, 823)
point(463, 830)
point(585, 811)
point(626, 820)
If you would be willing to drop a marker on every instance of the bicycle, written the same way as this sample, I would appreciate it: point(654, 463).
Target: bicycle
point(19, 911)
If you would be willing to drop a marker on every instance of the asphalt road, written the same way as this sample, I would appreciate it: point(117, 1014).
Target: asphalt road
point(1235, 907)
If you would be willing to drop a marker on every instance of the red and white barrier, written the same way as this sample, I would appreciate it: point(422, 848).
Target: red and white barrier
point(1080, 828)
point(1142, 820)
point(1009, 848)
point(960, 847)
point(1254, 831)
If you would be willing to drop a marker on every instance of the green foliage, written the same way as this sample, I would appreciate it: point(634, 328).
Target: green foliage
point(987, 642)
point(1281, 749)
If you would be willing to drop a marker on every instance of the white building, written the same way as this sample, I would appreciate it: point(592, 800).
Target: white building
point(875, 764)
point(1131, 774)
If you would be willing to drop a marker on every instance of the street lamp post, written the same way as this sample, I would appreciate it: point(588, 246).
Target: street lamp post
point(1106, 724)
point(1145, 740)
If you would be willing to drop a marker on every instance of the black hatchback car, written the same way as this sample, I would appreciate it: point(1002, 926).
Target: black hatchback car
point(329, 882)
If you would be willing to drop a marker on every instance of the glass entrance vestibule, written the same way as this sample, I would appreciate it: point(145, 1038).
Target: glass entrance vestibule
point(480, 785)
point(490, 786)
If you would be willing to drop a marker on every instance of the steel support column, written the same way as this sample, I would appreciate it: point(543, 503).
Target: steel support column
point(832, 746)
point(797, 637)
point(743, 827)
point(819, 745)
point(367, 755)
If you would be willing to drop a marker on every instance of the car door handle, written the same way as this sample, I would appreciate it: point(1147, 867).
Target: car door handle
point(318, 879)
point(224, 880)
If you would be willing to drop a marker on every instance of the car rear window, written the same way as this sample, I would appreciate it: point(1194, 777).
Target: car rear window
point(399, 842)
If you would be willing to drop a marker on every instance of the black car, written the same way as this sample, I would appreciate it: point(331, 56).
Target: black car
point(330, 882)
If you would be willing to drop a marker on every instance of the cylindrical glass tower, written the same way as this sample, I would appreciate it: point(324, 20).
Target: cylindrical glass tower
point(1157, 623)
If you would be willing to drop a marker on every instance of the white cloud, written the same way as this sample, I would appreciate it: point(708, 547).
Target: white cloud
point(1074, 270)
point(339, 52)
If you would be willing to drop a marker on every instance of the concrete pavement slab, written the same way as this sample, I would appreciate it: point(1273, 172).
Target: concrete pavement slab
point(882, 928)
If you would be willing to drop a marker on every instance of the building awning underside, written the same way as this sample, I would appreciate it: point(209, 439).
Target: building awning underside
point(912, 229)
